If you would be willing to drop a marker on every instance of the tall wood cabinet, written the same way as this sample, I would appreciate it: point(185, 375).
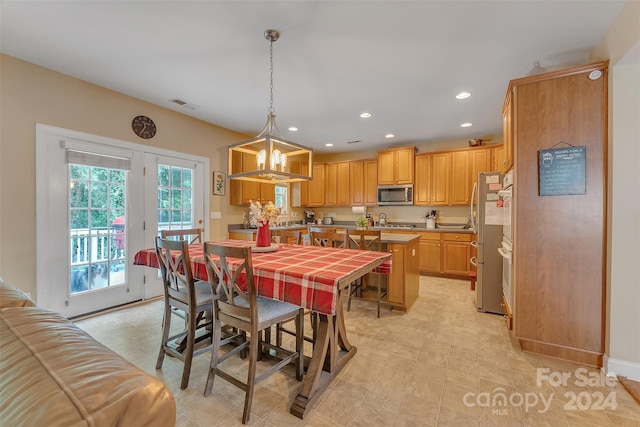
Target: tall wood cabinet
point(422, 186)
point(559, 258)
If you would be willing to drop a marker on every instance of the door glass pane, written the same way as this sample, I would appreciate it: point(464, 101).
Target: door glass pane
point(175, 198)
point(97, 232)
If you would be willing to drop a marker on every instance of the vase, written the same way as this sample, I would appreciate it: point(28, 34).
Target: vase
point(263, 237)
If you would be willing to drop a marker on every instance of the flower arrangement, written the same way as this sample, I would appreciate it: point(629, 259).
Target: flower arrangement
point(362, 222)
point(262, 215)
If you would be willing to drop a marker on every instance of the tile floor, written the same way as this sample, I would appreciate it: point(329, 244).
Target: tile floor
point(442, 364)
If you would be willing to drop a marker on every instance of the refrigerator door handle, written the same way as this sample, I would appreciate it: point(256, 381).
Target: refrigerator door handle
point(474, 244)
point(473, 261)
point(473, 199)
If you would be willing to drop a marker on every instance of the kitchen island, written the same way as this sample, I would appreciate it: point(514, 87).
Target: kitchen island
point(404, 280)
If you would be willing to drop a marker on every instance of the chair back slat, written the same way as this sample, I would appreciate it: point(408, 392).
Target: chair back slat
point(175, 268)
point(191, 235)
point(234, 287)
point(286, 236)
point(332, 240)
point(366, 240)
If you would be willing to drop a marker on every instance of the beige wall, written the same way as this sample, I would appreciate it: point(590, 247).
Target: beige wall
point(32, 94)
point(621, 45)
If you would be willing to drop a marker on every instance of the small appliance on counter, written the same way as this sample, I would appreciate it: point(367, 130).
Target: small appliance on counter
point(309, 217)
point(382, 219)
point(327, 220)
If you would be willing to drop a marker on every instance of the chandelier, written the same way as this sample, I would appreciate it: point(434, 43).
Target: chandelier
point(269, 157)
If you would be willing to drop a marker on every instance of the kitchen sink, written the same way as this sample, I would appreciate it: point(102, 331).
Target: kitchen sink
point(453, 226)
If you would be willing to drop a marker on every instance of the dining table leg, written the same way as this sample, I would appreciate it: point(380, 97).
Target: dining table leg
point(331, 353)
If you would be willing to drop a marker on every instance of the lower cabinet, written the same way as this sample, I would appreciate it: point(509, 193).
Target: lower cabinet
point(404, 280)
point(445, 253)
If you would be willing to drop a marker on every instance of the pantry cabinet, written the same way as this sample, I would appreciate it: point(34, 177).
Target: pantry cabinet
point(242, 192)
point(559, 263)
point(396, 166)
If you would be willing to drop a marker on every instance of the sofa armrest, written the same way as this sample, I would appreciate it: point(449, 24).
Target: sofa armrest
point(10, 296)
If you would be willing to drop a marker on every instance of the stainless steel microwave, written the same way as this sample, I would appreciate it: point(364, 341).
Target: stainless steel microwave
point(389, 195)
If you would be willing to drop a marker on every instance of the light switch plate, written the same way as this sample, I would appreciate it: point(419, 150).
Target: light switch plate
point(215, 215)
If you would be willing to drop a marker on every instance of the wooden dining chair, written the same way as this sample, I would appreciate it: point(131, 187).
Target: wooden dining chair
point(365, 240)
point(181, 291)
point(286, 236)
point(327, 239)
point(237, 304)
point(191, 235)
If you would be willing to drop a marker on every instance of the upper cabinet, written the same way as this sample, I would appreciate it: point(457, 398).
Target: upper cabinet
point(316, 192)
point(242, 192)
point(507, 127)
point(299, 190)
point(446, 178)
point(422, 186)
point(395, 166)
point(337, 184)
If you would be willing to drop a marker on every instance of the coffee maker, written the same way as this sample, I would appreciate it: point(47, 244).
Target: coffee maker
point(309, 217)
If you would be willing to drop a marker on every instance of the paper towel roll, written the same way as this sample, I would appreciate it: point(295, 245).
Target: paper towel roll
point(359, 210)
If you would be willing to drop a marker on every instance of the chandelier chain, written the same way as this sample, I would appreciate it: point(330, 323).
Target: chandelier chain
point(271, 73)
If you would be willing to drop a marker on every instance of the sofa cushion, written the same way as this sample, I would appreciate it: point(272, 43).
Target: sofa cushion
point(55, 374)
point(10, 296)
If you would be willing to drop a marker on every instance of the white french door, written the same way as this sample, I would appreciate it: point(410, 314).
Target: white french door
point(174, 189)
point(98, 201)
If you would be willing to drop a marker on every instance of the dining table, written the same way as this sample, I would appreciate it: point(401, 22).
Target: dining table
point(312, 277)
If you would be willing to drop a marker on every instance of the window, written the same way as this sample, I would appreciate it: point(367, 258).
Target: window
point(282, 199)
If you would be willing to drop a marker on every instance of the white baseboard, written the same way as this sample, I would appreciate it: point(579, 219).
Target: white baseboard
point(623, 368)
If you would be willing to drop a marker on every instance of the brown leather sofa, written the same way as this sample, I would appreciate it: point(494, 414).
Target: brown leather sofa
point(55, 374)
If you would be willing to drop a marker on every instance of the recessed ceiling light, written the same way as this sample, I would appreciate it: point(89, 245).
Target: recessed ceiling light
point(365, 115)
point(328, 144)
point(293, 129)
point(463, 95)
point(466, 125)
point(389, 135)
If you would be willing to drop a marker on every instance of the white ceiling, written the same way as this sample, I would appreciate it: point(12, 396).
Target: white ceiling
point(404, 61)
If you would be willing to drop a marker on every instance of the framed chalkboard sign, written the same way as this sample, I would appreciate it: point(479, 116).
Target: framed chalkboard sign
point(563, 171)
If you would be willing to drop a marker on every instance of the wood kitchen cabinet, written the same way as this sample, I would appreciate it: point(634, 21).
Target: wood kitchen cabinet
point(422, 186)
point(445, 253)
point(241, 192)
point(450, 178)
point(396, 166)
point(363, 175)
point(559, 268)
point(460, 191)
point(316, 191)
point(507, 129)
point(479, 161)
point(498, 158)
point(456, 252)
point(404, 280)
point(440, 179)
point(299, 190)
point(337, 184)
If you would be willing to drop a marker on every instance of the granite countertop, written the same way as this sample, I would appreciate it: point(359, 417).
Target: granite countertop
point(349, 224)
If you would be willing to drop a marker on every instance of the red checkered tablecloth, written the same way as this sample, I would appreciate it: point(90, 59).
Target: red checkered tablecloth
point(307, 276)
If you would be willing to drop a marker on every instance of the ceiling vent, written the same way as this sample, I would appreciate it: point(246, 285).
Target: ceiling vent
point(184, 104)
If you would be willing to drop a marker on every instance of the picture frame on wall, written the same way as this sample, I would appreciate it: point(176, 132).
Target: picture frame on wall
point(219, 183)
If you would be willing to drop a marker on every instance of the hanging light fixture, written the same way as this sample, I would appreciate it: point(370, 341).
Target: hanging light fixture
point(269, 157)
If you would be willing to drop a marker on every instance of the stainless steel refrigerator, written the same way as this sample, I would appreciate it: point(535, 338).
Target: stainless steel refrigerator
point(486, 219)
